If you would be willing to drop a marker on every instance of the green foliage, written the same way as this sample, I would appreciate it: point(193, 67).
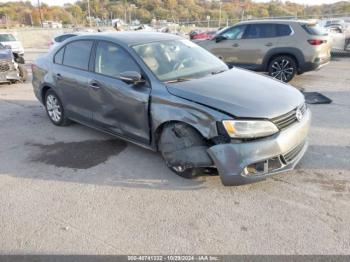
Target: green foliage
point(172, 10)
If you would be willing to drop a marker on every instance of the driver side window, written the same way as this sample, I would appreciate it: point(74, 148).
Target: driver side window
point(234, 33)
point(111, 60)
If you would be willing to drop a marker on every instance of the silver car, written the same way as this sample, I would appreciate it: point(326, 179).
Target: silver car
point(340, 37)
point(283, 48)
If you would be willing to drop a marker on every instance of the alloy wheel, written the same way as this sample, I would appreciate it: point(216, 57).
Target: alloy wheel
point(282, 69)
point(53, 108)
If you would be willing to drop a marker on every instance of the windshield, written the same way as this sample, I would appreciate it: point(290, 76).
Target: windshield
point(7, 38)
point(179, 59)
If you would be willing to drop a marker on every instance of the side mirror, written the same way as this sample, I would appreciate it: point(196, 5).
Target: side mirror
point(131, 77)
point(219, 38)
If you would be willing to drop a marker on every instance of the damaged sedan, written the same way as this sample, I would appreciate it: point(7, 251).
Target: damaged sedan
point(12, 69)
point(167, 94)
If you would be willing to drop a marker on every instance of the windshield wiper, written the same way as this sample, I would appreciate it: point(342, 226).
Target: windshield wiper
point(177, 80)
point(218, 72)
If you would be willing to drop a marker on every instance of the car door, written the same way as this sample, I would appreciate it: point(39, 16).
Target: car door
point(119, 107)
point(227, 44)
point(256, 42)
point(71, 77)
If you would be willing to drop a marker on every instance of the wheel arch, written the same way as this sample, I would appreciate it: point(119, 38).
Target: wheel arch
point(183, 145)
point(159, 129)
point(295, 53)
point(43, 90)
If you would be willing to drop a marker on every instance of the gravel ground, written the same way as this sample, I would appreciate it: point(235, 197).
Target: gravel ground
point(73, 190)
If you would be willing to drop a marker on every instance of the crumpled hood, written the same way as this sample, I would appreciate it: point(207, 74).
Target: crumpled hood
point(241, 93)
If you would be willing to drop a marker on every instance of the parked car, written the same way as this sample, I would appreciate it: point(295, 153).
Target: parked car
point(332, 22)
point(167, 94)
point(340, 37)
point(283, 48)
point(9, 40)
point(57, 40)
point(12, 67)
point(197, 35)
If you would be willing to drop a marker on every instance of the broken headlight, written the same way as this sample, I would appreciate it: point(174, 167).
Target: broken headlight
point(249, 128)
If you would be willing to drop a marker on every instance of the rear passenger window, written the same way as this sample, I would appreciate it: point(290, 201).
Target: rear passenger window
point(77, 54)
point(314, 29)
point(261, 31)
point(58, 59)
point(112, 60)
point(284, 30)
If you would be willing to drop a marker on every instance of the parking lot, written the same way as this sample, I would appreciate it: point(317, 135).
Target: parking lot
point(72, 190)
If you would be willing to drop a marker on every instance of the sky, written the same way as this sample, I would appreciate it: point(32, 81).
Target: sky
point(61, 2)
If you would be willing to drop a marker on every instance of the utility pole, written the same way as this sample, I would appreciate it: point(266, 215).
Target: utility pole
point(220, 14)
point(125, 11)
point(31, 19)
point(41, 19)
point(89, 13)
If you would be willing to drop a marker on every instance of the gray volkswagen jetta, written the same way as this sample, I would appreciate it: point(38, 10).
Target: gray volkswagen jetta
point(167, 94)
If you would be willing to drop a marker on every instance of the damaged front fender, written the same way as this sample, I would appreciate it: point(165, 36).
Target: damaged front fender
point(183, 146)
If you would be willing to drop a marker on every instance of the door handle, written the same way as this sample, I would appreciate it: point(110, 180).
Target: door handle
point(235, 45)
point(269, 44)
point(94, 85)
point(59, 76)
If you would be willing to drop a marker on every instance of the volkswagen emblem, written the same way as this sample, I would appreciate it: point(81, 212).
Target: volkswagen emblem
point(299, 115)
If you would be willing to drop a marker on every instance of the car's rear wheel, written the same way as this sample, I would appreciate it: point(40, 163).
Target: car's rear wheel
point(283, 68)
point(54, 109)
point(178, 137)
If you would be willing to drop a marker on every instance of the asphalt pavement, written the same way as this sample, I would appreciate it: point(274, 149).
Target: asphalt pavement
point(73, 190)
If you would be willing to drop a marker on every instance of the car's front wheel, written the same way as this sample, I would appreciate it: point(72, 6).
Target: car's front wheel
point(54, 109)
point(173, 144)
point(282, 68)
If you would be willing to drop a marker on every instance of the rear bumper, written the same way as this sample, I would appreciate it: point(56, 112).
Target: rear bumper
point(232, 159)
point(312, 66)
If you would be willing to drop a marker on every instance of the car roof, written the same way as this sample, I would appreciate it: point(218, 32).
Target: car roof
point(130, 38)
point(71, 33)
point(274, 21)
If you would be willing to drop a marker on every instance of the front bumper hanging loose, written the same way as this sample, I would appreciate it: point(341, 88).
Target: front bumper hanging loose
point(276, 154)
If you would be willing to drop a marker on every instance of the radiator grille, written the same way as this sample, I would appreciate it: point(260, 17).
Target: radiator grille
point(4, 66)
point(292, 154)
point(289, 118)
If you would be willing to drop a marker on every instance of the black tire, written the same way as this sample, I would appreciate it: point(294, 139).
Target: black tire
point(23, 72)
point(283, 68)
point(175, 137)
point(57, 119)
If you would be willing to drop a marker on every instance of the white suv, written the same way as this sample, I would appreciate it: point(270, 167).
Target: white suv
point(9, 40)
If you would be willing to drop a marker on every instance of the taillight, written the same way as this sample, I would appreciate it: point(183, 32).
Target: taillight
point(316, 41)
